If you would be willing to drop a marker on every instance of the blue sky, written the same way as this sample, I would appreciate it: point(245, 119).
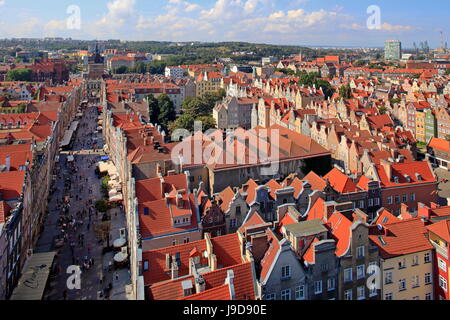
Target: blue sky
point(299, 22)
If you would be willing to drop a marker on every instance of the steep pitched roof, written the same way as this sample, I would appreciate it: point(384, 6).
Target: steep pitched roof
point(271, 254)
point(340, 182)
point(316, 182)
point(340, 227)
point(441, 228)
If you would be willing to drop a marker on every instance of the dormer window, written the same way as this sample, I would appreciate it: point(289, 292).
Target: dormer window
point(396, 179)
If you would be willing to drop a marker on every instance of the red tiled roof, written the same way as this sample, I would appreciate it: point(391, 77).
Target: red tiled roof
point(274, 186)
point(309, 256)
point(227, 249)
point(243, 280)
point(11, 184)
point(441, 228)
point(216, 294)
point(317, 210)
point(439, 144)
point(410, 169)
point(226, 196)
point(157, 261)
point(385, 217)
point(403, 237)
point(340, 228)
point(270, 255)
point(340, 182)
point(316, 182)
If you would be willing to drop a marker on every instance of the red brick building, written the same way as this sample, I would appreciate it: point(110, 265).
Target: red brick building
point(407, 183)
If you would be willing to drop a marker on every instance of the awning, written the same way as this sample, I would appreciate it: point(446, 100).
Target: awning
point(99, 128)
point(32, 283)
point(74, 126)
point(70, 159)
point(117, 197)
point(79, 115)
point(100, 122)
point(119, 243)
point(120, 257)
point(105, 158)
point(67, 138)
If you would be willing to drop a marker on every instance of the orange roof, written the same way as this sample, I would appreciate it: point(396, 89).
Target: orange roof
point(243, 280)
point(385, 217)
point(250, 189)
point(219, 293)
point(270, 255)
point(340, 182)
point(441, 228)
point(310, 256)
point(317, 211)
point(316, 182)
point(274, 186)
point(340, 228)
point(439, 144)
point(400, 238)
point(227, 249)
point(11, 184)
point(226, 196)
point(253, 221)
point(410, 169)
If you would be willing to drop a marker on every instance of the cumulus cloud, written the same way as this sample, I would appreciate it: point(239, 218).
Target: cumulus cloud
point(119, 12)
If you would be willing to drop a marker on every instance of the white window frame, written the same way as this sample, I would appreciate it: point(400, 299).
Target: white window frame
point(300, 293)
point(402, 285)
point(358, 293)
point(286, 272)
point(360, 271)
point(428, 276)
point(331, 284)
point(362, 249)
point(442, 265)
point(443, 283)
point(286, 293)
point(318, 287)
point(427, 257)
point(348, 271)
point(388, 276)
point(389, 296)
point(348, 294)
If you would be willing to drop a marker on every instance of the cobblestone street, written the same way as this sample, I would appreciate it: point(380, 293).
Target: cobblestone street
point(78, 187)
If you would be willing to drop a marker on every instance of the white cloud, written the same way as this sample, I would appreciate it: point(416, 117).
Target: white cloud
point(2, 3)
point(119, 12)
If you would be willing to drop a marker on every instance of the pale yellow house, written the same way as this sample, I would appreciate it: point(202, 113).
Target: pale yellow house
point(209, 82)
point(420, 125)
point(406, 259)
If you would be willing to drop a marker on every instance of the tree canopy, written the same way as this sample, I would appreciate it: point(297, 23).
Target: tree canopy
point(20, 75)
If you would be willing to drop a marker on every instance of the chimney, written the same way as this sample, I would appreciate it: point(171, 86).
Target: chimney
point(174, 268)
point(8, 163)
point(200, 284)
point(387, 168)
point(423, 210)
point(230, 281)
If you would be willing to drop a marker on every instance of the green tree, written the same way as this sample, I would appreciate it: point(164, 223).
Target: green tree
point(382, 110)
point(195, 107)
point(167, 112)
point(345, 92)
point(140, 67)
point(328, 90)
point(185, 121)
point(121, 70)
point(153, 108)
point(20, 75)
point(208, 122)
point(447, 72)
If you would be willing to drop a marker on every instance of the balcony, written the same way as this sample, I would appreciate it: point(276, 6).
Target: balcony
point(443, 251)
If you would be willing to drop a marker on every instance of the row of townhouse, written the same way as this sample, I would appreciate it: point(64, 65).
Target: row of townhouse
point(29, 147)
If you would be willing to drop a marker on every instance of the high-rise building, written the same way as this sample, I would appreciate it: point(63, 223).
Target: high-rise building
point(392, 50)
